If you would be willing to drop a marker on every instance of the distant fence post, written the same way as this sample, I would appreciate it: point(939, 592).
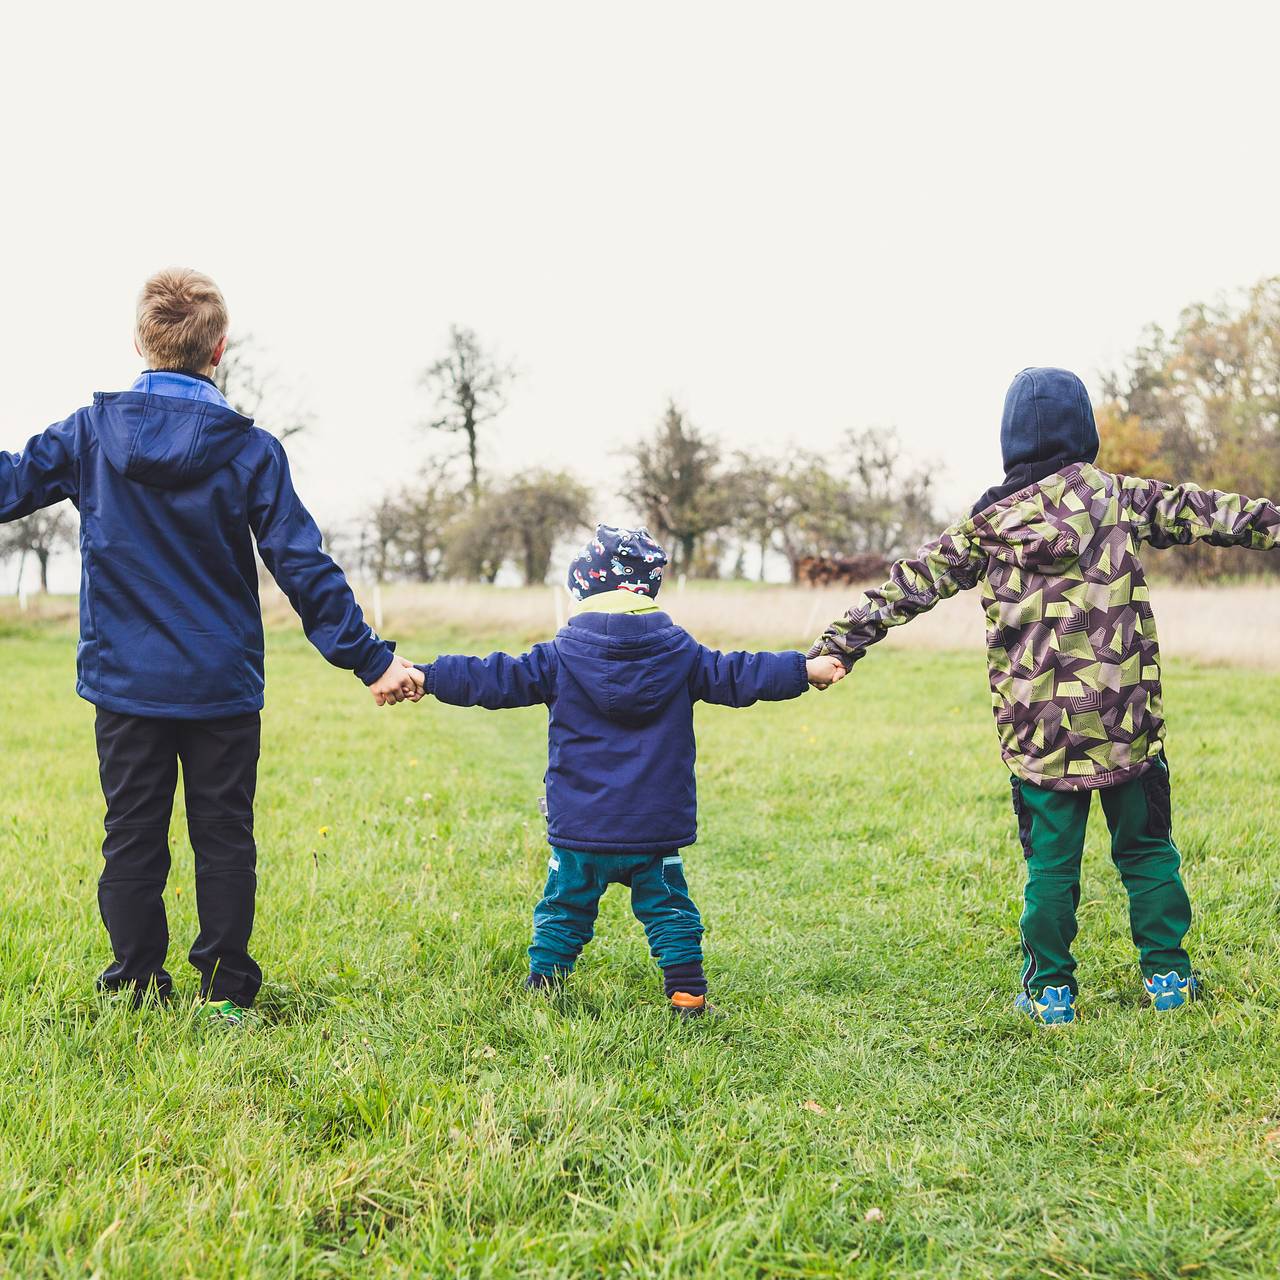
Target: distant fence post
point(377, 606)
point(558, 605)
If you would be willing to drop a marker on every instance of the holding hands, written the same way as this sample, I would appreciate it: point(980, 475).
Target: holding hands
point(400, 682)
point(824, 671)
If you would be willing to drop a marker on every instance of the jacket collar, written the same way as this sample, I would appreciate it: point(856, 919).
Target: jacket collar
point(1020, 476)
point(616, 601)
point(179, 385)
point(618, 624)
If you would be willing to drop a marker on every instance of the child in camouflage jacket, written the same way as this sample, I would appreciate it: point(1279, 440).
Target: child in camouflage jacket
point(1074, 668)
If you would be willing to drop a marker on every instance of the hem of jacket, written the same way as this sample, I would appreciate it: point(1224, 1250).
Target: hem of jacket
point(1095, 782)
point(620, 846)
point(167, 710)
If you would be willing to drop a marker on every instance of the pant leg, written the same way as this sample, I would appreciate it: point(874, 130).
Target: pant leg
point(564, 920)
point(138, 765)
point(1138, 814)
point(661, 902)
point(1051, 827)
point(219, 776)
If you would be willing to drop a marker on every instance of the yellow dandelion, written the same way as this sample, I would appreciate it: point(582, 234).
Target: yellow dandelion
point(324, 833)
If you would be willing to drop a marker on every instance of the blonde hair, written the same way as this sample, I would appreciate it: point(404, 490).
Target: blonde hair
point(181, 319)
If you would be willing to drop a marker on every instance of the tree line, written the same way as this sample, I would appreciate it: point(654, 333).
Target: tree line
point(1201, 402)
point(715, 510)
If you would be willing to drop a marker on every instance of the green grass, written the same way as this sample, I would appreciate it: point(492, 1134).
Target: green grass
point(868, 1107)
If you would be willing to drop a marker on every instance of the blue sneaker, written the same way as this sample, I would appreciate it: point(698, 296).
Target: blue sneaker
point(1169, 991)
point(1054, 1006)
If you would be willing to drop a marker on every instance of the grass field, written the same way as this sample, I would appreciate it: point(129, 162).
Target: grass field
point(869, 1106)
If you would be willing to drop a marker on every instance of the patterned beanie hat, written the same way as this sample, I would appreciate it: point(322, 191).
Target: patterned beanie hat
point(617, 559)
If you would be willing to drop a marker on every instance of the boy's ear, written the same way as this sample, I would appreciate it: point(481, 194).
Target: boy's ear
point(219, 351)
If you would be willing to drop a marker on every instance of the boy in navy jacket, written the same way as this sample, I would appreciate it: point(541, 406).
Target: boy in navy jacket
point(173, 487)
point(620, 682)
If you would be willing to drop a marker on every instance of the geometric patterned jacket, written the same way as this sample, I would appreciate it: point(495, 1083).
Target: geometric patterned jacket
point(1073, 659)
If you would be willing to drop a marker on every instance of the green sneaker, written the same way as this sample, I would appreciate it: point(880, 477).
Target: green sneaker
point(225, 1013)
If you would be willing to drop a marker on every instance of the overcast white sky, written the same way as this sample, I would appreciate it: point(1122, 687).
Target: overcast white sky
point(796, 218)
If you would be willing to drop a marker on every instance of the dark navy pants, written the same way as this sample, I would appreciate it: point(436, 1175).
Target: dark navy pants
point(564, 921)
point(138, 761)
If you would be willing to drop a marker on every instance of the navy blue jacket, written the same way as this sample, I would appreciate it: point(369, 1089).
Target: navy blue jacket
point(620, 689)
point(172, 491)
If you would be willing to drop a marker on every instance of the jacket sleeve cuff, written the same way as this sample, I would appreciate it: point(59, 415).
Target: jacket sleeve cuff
point(429, 675)
point(378, 661)
point(798, 674)
point(820, 649)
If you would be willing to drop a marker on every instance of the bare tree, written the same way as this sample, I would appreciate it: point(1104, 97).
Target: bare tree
point(254, 392)
point(871, 502)
point(41, 535)
point(888, 504)
point(470, 388)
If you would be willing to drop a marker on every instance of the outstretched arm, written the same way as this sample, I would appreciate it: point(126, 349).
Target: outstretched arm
point(291, 548)
point(496, 682)
point(739, 679)
point(1168, 515)
point(941, 569)
point(45, 472)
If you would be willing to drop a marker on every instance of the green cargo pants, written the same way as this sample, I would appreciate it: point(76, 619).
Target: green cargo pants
point(1051, 827)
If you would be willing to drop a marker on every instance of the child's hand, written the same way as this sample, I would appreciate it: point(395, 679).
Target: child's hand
point(400, 682)
point(824, 671)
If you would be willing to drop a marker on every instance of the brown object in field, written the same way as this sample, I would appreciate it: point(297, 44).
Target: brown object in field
point(827, 571)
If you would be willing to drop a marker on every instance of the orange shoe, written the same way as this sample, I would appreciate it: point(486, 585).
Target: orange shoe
point(683, 1005)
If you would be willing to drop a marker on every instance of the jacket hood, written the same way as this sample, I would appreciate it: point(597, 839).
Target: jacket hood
point(1047, 419)
point(166, 442)
point(629, 665)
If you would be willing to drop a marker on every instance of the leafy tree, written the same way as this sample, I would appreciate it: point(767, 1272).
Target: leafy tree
point(1128, 446)
point(1203, 404)
point(470, 389)
point(518, 522)
point(477, 543)
point(761, 506)
point(537, 510)
point(675, 480)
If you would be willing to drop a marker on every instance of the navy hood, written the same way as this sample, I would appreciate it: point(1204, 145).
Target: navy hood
point(1047, 425)
point(629, 666)
point(1047, 417)
point(165, 441)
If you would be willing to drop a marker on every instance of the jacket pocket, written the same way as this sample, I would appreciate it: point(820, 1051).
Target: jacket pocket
point(1155, 786)
point(1023, 815)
